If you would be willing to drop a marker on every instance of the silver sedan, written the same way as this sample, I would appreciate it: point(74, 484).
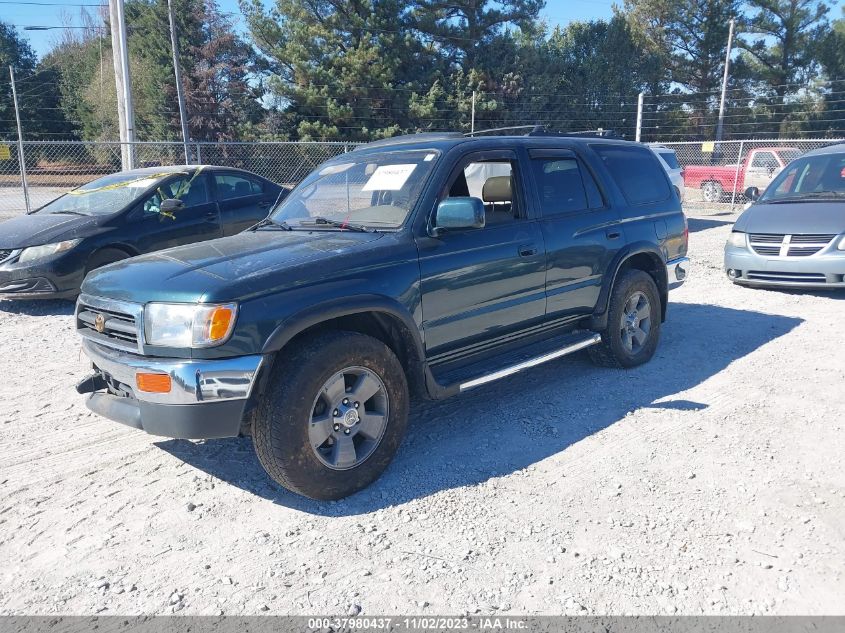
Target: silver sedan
point(794, 234)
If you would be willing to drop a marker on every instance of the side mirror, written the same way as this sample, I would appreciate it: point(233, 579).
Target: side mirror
point(752, 193)
point(171, 205)
point(459, 213)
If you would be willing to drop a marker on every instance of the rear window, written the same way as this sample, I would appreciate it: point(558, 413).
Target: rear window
point(637, 172)
point(670, 157)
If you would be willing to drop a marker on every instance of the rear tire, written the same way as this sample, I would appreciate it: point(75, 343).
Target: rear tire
point(312, 434)
point(712, 191)
point(633, 322)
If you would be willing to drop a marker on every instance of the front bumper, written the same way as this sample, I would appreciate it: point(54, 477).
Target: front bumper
point(677, 271)
point(744, 266)
point(58, 278)
point(207, 399)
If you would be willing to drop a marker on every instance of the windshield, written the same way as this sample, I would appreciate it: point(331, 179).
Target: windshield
point(812, 177)
point(374, 190)
point(105, 195)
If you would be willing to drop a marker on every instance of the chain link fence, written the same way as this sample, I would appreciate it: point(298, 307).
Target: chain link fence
point(716, 175)
point(54, 167)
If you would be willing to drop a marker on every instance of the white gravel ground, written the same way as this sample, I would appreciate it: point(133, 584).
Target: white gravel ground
point(708, 481)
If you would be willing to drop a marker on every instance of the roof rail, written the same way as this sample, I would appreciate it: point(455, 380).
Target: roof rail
point(539, 130)
point(533, 128)
point(410, 138)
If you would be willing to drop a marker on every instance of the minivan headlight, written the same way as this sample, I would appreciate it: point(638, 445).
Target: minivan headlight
point(737, 239)
point(188, 324)
point(45, 250)
point(841, 245)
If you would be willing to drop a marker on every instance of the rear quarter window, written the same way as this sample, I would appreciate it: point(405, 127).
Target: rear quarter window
point(637, 172)
point(671, 159)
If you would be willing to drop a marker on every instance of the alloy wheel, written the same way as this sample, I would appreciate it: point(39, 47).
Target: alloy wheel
point(636, 322)
point(348, 418)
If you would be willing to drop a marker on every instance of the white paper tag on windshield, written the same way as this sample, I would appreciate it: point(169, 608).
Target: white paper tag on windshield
point(389, 177)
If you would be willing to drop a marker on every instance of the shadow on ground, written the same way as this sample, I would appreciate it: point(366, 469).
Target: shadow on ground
point(699, 224)
point(38, 307)
point(516, 422)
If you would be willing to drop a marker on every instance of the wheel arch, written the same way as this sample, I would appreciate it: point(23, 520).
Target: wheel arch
point(638, 256)
point(124, 248)
point(380, 317)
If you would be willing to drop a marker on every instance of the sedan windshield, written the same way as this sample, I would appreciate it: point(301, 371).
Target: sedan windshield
point(105, 195)
point(370, 191)
point(813, 177)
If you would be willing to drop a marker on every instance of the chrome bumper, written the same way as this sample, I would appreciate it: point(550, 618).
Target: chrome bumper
point(677, 271)
point(193, 381)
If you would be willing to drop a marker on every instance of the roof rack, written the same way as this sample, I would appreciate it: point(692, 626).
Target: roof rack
point(539, 130)
point(409, 138)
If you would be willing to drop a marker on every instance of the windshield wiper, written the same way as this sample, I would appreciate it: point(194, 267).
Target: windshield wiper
point(337, 223)
point(811, 195)
point(270, 222)
point(68, 212)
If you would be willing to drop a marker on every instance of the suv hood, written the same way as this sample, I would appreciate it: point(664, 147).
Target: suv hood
point(229, 268)
point(43, 228)
point(793, 217)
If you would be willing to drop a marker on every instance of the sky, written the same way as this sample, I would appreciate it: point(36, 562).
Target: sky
point(62, 12)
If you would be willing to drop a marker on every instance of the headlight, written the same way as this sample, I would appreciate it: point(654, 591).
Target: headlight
point(737, 239)
point(46, 250)
point(188, 325)
point(841, 246)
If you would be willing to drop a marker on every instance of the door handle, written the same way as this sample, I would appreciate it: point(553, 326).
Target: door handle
point(211, 215)
point(527, 250)
point(613, 234)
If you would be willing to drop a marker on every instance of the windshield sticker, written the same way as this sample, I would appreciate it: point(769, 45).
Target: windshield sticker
point(389, 177)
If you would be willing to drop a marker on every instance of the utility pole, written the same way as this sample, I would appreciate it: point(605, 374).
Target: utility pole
point(177, 70)
point(472, 116)
point(719, 125)
point(639, 117)
point(123, 84)
point(21, 157)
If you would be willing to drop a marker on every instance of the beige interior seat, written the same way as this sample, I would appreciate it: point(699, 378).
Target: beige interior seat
point(497, 195)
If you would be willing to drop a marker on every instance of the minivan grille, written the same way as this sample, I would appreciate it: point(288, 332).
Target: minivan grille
point(770, 244)
point(117, 327)
point(5, 254)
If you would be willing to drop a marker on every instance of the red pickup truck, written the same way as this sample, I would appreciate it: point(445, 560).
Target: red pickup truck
point(758, 169)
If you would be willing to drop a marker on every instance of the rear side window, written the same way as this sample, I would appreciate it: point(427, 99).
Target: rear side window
point(670, 157)
point(563, 187)
point(637, 172)
point(230, 186)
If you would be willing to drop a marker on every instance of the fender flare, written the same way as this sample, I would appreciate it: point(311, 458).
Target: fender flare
point(340, 307)
point(599, 318)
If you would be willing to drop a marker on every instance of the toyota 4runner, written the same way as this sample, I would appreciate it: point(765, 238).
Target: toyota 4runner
point(428, 264)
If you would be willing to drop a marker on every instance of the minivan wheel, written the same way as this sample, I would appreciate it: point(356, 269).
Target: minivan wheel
point(633, 322)
point(333, 415)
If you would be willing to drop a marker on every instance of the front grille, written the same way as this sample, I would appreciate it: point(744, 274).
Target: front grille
point(804, 245)
point(766, 238)
point(119, 323)
point(772, 275)
point(5, 254)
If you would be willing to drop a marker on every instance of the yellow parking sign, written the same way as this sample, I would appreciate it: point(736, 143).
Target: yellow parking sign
point(5, 152)
point(707, 147)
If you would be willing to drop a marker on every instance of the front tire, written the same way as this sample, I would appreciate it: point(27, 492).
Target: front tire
point(633, 322)
point(333, 415)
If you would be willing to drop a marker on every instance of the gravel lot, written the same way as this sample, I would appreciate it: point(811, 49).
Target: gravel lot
point(708, 481)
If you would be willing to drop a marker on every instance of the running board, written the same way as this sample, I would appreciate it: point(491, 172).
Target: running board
point(531, 362)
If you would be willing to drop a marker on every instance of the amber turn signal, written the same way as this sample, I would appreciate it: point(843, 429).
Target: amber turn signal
point(219, 322)
point(153, 383)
